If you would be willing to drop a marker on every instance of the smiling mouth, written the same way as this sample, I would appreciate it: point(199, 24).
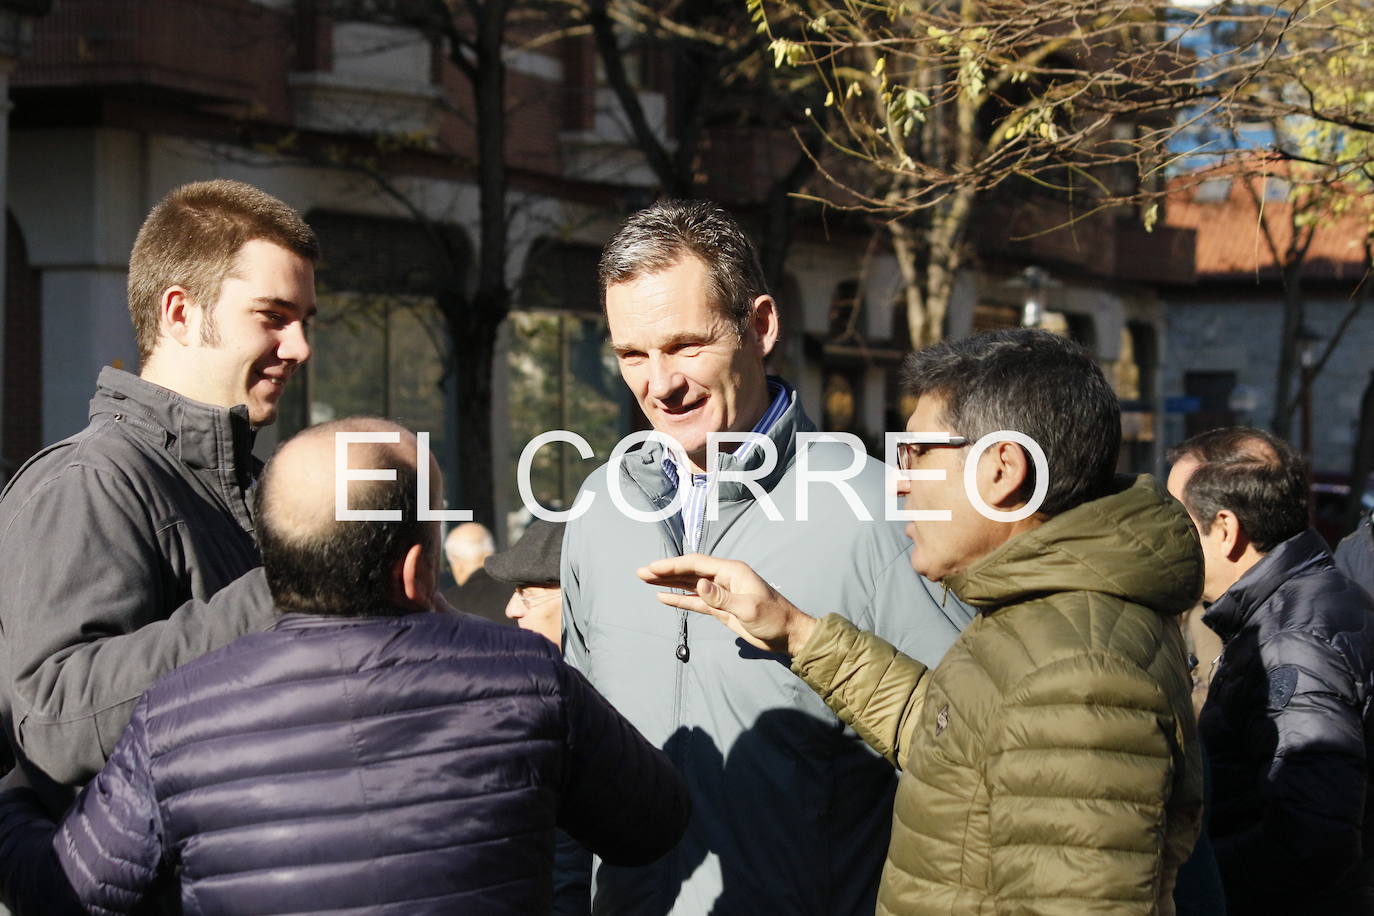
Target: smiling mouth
point(682, 411)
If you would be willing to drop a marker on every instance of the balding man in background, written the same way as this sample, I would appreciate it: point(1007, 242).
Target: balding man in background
point(475, 591)
point(361, 755)
point(467, 547)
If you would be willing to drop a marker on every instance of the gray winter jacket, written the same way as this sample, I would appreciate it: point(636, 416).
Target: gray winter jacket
point(791, 811)
point(112, 542)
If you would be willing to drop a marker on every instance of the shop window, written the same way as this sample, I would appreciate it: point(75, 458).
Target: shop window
point(562, 376)
point(371, 354)
point(1213, 393)
point(1132, 376)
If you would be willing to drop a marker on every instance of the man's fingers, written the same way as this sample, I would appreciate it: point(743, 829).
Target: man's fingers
point(687, 581)
point(692, 603)
point(696, 605)
point(693, 566)
point(711, 593)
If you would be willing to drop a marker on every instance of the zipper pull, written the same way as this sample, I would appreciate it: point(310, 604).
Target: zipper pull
point(683, 653)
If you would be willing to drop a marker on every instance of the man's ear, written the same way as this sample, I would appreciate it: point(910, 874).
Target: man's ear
point(175, 315)
point(415, 576)
point(763, 321)
point(1002, 473)
point(1232, 536)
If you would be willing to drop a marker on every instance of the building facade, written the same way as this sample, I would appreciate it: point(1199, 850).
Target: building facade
point(367, 129)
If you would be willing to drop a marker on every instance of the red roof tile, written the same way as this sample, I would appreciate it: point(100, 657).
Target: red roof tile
point(1230, 225)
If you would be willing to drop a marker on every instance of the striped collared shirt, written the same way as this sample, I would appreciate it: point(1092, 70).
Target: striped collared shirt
point(694, 498)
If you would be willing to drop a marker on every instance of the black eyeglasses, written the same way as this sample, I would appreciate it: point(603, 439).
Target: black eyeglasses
point(908, 453)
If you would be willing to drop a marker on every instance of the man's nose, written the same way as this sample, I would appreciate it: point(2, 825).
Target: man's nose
point(903, 487)
point(664, 377)
point(293, 344)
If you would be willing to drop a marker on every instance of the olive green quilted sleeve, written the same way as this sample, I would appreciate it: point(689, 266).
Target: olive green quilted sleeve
point(871, 686)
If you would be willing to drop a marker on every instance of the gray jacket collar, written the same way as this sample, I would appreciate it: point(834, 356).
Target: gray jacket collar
point(645, 464)
point(200, 435)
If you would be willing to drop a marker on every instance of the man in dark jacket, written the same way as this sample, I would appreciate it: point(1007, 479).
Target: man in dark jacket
point(112, 541)
point(1355, 555)
point(1287, 722)
point(530, 567)
point(360, 756)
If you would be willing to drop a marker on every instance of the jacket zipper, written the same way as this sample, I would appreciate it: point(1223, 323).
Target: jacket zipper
point(684, 650)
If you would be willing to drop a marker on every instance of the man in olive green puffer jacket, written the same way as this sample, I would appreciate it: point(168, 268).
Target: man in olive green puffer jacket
point(1050, 762)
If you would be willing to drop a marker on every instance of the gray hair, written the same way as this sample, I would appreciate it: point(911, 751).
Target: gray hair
point(656, 238)
point(1036, 383)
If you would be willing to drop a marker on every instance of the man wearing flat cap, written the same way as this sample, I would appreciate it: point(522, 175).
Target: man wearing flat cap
point(531, 565)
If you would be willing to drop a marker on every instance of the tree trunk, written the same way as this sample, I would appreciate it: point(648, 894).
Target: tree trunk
point(777, 234)
point(905, 251)
point(670, 177)
point(475, 342)
point(946, 242)
point(473, 390)
point(1293, 308)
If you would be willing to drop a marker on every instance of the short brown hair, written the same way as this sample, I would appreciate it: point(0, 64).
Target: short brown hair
point(1258, 476)
point(659, 236)
point(191, 239)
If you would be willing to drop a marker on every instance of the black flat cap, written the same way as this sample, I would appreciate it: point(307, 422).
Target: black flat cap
point(532, 560)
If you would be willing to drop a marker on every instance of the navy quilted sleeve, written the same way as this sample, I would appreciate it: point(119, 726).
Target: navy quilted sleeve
point(622, 799)
point(110, 843)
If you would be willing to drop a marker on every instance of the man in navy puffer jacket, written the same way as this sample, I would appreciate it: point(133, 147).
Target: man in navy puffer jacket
point(362, 755)
point(1289, 718)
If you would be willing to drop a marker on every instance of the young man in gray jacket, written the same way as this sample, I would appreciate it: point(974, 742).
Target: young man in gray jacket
point(115, 540)
point(791, 811)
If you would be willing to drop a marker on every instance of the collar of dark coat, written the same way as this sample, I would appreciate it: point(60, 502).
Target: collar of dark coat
point(644, 465)
point(1229, 614)
point(200, 435)
point(385, 616)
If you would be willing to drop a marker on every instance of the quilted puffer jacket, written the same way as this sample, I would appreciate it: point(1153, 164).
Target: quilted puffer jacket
point(1290, 732)
point(1050, 762)
point(1355, 555)
point(380, 765)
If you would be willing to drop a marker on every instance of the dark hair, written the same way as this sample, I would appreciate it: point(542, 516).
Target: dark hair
point(658, 237)
point(1254, 474)
point(1036, 383)
point(343, 568)
point(192, 239)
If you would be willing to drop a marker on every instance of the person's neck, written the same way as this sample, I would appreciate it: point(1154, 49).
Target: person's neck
point(1246, 562)
point(162, 370)
point(698, 460)
point(1006, 531)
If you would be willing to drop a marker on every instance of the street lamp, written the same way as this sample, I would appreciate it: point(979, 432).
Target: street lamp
point(1307, 341)
point(1034, 279)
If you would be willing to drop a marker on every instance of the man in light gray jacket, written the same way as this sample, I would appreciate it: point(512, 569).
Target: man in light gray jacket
point(791, 811)
point(114, 541)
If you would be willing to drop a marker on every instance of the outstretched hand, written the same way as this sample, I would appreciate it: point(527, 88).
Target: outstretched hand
point(735, 595)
